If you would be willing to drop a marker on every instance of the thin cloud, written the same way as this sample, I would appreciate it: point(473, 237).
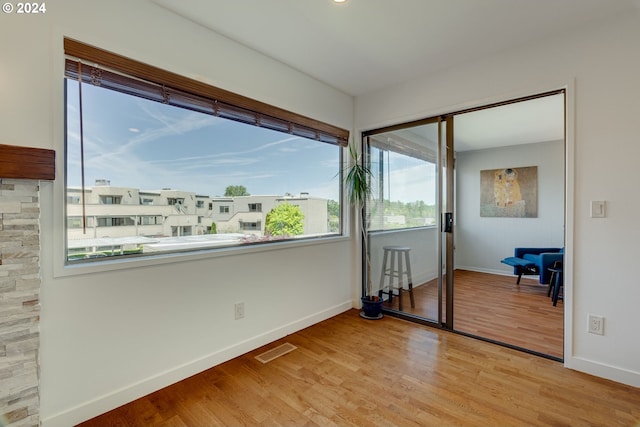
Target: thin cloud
point(229, 153)
point(411, 184)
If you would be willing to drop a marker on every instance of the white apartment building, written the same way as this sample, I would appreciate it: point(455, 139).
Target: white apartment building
point(125, 218)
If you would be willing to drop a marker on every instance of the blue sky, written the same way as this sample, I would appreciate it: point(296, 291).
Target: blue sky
point(411, 179)
point(144, 144)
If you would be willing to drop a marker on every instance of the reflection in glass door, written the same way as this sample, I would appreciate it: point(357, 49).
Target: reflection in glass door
point(510, 194)
point(404, 218)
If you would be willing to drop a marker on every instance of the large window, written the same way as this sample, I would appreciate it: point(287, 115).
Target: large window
point(171, 147)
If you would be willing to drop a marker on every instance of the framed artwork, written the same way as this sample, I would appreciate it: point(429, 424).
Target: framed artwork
point(509, 192)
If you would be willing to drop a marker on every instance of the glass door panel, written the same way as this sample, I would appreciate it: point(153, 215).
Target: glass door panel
point(404, 219)
point(510, 193)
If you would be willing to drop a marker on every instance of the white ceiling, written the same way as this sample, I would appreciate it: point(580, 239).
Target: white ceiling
point(526, 122)
point(366, 45)
point(363, 46)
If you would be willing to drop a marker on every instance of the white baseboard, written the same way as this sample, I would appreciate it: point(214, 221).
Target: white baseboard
point(116, 398)
point(484, 270)
point(613, 373)
point(494, 271)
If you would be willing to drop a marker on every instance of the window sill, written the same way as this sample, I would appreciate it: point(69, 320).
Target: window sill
point(175, 257)
point(402, 230)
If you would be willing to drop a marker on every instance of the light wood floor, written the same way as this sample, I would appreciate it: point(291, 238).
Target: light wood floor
point(493, 306)
point(348, 371)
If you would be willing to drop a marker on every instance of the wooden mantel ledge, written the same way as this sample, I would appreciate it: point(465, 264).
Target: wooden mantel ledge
point(27, 163)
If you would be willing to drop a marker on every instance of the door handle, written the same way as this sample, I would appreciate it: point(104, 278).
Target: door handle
point(447, 222)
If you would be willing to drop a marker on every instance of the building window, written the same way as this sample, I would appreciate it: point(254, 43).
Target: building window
point(74, 222)
point(250, 226)
point(171, 201)
point(150, 220)
point(115, 221)
point(110, 200)
point(197, 139)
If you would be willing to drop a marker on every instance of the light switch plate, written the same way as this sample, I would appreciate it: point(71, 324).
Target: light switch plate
point(598, 209)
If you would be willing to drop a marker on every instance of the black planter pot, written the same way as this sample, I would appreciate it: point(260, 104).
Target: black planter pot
point(371, 308)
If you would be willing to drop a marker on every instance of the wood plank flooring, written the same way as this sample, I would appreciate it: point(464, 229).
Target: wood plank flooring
point(494, 307)
point(348, 371)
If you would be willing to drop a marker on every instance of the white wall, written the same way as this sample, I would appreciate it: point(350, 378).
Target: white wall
point(600, 66)
point(110, 336)
point(423, 255)
point(482, 242)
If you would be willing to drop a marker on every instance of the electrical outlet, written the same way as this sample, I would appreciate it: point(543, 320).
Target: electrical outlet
point(239, 307)
point(596, 324)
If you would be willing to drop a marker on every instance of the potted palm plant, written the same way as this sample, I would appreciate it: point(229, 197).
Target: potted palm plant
point(357, 180)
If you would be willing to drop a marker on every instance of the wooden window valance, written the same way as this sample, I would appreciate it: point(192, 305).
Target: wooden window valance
point(27, 163)
point(109, 70)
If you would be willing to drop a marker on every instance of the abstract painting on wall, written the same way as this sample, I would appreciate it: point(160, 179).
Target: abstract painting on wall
point(509, 192)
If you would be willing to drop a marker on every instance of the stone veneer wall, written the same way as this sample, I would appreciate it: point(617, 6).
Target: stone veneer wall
point(19, 302)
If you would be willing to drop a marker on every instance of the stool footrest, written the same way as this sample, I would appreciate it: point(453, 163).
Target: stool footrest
point(518, 262)
point(522, 266)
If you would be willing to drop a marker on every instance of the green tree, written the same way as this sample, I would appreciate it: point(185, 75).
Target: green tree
point(236, 190)
point(333, 210)
point(284, 220)
point(214, 228)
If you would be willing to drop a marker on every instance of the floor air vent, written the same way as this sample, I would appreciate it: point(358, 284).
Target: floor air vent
point(274, 353)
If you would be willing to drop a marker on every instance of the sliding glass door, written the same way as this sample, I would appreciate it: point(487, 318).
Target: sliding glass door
point(484, 181)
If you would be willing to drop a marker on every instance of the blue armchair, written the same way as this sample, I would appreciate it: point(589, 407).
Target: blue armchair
point(541, 258)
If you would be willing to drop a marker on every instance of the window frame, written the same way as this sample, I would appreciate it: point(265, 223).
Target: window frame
point(84, 53)
point(106, 199)
point(255, 207)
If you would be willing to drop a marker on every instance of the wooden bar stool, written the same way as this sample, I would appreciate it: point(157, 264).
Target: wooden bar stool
point(396, 272)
